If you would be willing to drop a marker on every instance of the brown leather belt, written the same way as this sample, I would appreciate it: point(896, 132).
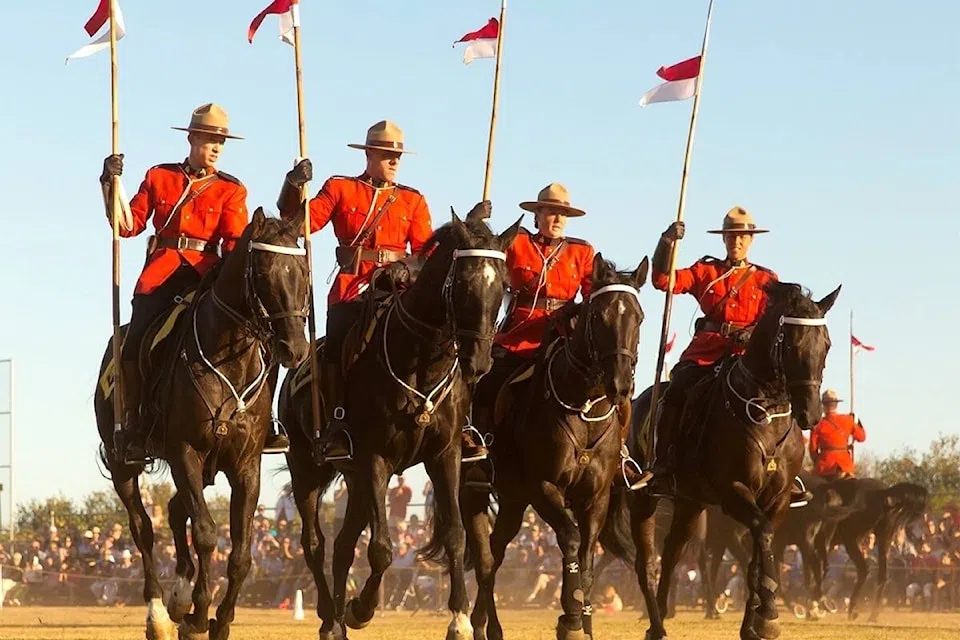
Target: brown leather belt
point(349, 258)
point(183, 243)
point(549, 304)
point(723, 328)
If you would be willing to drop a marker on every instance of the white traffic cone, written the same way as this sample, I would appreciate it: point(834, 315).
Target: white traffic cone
point(298, 605)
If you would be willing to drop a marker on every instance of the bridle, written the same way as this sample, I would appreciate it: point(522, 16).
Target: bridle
point(779, 374)
point(595, 358)
point(261, 327)
point(435, 396)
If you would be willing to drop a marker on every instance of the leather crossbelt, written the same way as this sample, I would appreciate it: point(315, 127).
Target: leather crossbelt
point(181, 243)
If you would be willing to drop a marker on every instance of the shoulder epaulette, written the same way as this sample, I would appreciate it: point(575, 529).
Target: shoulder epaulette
point(710, 259)
point(406, 188)
point(524, 230)
point(580, 241)
point(765, 269)
point(229, 178)
point(171, 166)
point(342, 178)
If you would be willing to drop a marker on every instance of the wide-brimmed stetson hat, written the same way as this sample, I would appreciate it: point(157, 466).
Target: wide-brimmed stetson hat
point(553, 195)
point(209, 118)
point(830, 395)
point(738, 220)
point(384, 136)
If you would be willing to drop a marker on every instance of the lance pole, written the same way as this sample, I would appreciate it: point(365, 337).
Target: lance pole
point(672, 274)
point(496, 102)
point(852, 353)
point(115, 221)
point(307, 244)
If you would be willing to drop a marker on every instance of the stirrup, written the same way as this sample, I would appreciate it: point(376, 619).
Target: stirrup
point(338, 414)
point(803, 489)
point(625, 459)
point(487, 484)
point(281, 432)
point(483, 443)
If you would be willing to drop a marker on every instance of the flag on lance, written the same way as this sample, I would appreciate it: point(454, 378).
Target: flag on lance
point(96, 22)
point(482, 42)
point(858, 345)
point(680, 82)
point(289, 12)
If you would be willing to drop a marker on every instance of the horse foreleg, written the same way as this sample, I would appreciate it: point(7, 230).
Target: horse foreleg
point(360, 610)
point(179, 602)
point(126, 482)
point(445, 474)
point(473, 510)
point(187, 472)
point(882, 545)
point(856, 556)
point(550, 504)
point(244, 493)
point(307, 483)
point(508, 523)
point(590, 520)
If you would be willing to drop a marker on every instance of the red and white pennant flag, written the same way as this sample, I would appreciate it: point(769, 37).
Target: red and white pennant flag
point(289, 12)
point(483, 42)
point(681, 83)
point(96, 22)
point(859, 345)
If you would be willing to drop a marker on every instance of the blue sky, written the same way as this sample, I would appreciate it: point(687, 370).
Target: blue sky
point(834, 123)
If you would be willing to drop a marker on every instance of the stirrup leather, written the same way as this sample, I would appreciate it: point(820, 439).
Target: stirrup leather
point(625, 459)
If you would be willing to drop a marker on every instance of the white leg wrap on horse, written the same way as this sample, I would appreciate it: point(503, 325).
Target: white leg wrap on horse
point(156, 612)
point(461, 625)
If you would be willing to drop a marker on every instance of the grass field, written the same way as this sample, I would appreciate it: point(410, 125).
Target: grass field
point(50, 623)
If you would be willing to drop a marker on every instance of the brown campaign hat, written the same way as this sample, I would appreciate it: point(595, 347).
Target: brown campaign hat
point(738, 220)
point(209, 118)
point(830, 395)
point(554, 195)
point(385, 136)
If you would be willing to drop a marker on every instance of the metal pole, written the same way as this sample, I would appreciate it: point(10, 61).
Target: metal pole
point(496, 101)
point(9, 412)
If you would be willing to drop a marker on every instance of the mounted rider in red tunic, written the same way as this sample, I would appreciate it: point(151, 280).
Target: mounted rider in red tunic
point(197, 211)
point(546, 269)
point(831, 440)
point(730, 292)
point(375, 220)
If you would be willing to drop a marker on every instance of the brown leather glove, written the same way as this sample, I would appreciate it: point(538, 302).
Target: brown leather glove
point(301, 174)
point(112, 166)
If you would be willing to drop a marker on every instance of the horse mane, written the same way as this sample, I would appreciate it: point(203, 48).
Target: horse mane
point(443, 234)
point(789, 297)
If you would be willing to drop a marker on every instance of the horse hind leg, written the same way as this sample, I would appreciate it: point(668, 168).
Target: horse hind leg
point(127, 484)
point(360, 610)
point(179, 602)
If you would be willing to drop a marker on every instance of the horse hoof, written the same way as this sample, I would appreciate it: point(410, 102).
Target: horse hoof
point(830, 605)
point(460, 628)
point(479, 633)
point(354, 620)
point(336, 633)
point(179, 603)
point(566, 633)
point(766, 629)
point(799, 612)
point(852, 615)
point(650, 636)
point(188, 632)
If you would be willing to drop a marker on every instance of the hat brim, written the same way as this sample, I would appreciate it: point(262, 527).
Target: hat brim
point(213, 133)
point(378, 148)
point(752, 231)
point(570, 212)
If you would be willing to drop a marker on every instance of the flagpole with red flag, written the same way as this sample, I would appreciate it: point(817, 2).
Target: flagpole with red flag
point(291, 9)
point(496, 102)
point(672, 274)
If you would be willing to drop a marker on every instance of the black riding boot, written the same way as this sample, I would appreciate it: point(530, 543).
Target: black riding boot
point(276, 440)
point(665, 458)
point(335, 442)
point(132, 435)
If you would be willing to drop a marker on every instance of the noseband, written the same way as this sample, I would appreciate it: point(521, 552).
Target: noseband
point(595, 357)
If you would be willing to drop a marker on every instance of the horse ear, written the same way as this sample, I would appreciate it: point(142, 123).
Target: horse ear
point(510, 234)
point(827, 302)
point(259, 219)
point(639, 276)
point(601, 271)
point(457, 224)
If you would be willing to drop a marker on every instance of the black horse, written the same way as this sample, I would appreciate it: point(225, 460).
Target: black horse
point(748, 448)
point(558, 446)
point(211, 408)
point(409, 398)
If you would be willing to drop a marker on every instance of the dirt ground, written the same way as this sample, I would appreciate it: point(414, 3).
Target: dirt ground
point(81, 623)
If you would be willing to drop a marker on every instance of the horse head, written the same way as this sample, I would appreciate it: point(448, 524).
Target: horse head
point(471, 261)
point(275, 286)
point(608, 326)
point(792, 341)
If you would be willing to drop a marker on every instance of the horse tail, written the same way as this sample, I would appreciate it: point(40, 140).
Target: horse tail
point(434, 550)
point(616, 535)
